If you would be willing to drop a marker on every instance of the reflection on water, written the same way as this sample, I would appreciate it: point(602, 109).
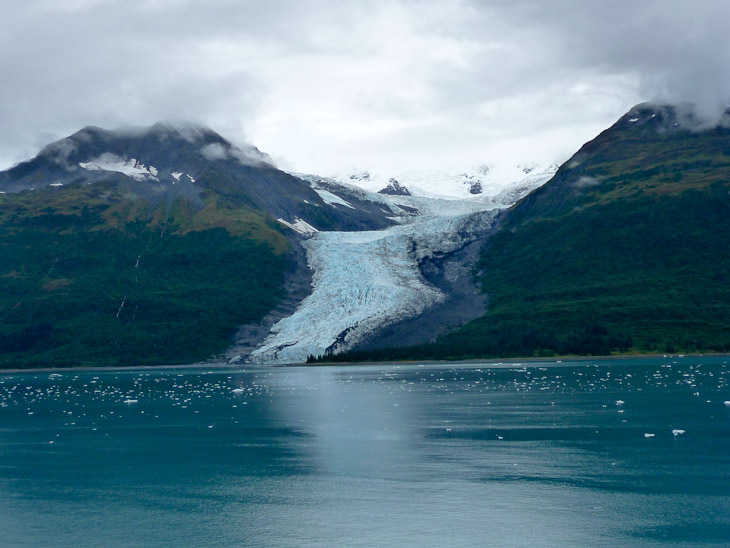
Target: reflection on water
point(620, 453)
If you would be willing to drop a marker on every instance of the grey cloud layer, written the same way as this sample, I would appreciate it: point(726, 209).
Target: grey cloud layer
point(323, 84)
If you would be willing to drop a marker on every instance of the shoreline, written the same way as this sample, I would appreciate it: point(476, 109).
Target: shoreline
point(478, 361)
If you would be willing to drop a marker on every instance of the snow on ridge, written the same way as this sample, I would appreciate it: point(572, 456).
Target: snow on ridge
point(323, 183)
point(112, 162)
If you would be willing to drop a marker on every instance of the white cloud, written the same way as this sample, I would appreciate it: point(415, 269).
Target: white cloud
point(383, 85)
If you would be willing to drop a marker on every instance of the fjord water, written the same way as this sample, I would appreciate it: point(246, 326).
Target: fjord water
point(627, 453)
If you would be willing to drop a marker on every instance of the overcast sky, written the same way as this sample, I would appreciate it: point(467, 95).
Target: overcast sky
point(325, 85)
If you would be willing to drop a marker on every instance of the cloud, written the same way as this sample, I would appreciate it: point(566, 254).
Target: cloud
point(586, 182)
point(384, 85)
point(214, 151)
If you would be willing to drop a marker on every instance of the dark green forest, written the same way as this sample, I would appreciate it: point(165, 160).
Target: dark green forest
point(90, 277)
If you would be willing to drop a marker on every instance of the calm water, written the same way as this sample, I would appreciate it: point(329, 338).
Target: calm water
point(474, 455)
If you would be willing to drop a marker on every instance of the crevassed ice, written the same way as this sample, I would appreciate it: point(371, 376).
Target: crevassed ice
point(366, 280)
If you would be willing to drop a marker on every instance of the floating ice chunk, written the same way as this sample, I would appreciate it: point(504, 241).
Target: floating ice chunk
point(189, 177)
point(130, 401)
point(620, 402)
point(56, 184)
point(238, 390)
point(727, 403)
point(649, 435)
point(677, 432)
point(634, 120)
point(177, 175)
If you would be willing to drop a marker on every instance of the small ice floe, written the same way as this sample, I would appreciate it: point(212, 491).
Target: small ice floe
point(238, 390)
point(676, 432)
point(649, 435)
point(727, 403)
point(620, 402)
point(129, 400)
point(634, 120)
point(176, 175)
point(211, 425)
point(56, 184)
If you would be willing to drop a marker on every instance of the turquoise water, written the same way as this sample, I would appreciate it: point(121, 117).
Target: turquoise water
point(537, 455)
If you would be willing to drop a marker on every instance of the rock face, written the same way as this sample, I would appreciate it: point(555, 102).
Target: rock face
point(475, 187)
point(394, 188)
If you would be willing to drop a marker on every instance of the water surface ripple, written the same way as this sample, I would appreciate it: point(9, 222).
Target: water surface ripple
point(577, 454)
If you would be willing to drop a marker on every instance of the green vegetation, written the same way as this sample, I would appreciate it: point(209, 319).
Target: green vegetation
point(93, 276)
point(626, 249)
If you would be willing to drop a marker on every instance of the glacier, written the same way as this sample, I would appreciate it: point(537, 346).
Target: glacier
point(456, 183)
point(364, 281)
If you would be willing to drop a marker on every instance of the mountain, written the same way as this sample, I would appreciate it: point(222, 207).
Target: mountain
point(394, 188)
point(153, 245)
point(626, 248)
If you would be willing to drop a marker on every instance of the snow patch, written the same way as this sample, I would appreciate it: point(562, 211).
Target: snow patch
point(112, 162)
point(332, 199)
point(303, 227)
